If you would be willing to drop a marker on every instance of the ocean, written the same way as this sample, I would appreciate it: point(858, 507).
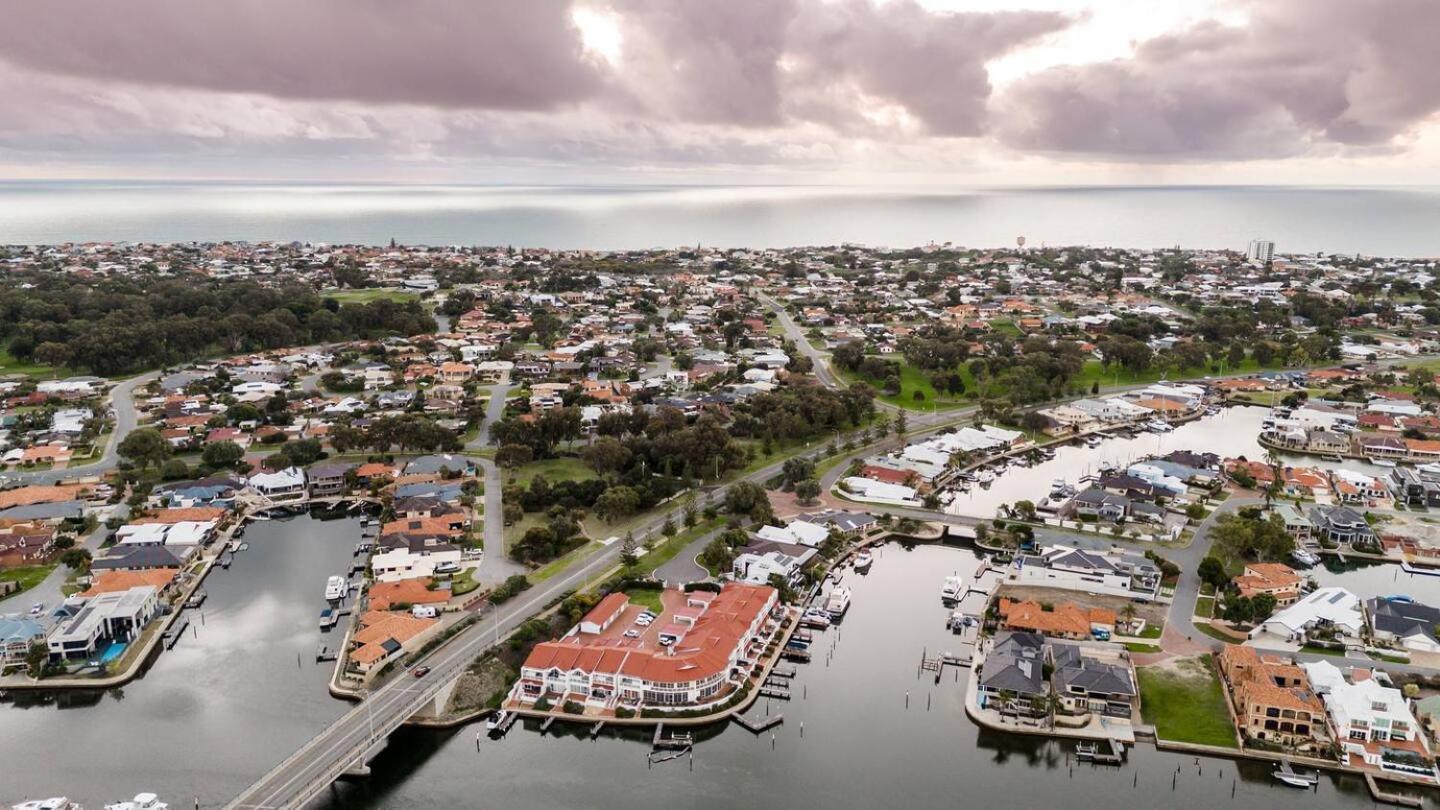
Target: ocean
point(1396, 221)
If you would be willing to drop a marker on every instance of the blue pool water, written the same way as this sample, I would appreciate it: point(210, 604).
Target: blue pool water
point(115, 650)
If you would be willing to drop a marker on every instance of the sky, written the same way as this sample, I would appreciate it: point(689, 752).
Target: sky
point(865, 92)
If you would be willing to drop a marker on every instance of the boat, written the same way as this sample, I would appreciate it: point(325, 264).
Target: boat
point(142, 801)
point(815, 619)
point(985, 476)
point(336, 588)
point(863, 561)
point(496, 720)
point(328, 618)
point(1381, 462)
point(838, 602)
point(1092, 441)
point(952, 590)
point(1423, 570)
point(53, 803)
point(1058, 486)
point(1305, 557)
point(1294, 778)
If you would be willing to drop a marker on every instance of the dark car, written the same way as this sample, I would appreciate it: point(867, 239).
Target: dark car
point(421, 672)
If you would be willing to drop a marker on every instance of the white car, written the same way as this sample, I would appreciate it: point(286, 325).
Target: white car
point(644, 622)
point(632, 633)
point(37, 608)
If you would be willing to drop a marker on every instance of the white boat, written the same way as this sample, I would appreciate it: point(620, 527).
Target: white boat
point(1157, 426)
point(497, 719)
point(1305, 556)
point(1092, 441)
point(1419, 569)
point(1294, 778)
point(336, 588)
point(838, 602)
point(1058, 486)
point(142, 801)
point(1381, 462)
point(984, 476)
point(815, 618)
point(953, 589)
point(53, 803)
point(863, 561)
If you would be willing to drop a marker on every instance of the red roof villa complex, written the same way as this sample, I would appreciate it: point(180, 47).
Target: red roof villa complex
point(702, 647)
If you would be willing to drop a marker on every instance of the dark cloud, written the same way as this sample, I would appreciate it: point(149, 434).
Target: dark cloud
point(524, 54)
point(1300, 76)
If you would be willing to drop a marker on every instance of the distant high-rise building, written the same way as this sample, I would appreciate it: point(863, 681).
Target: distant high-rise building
point(1261, 251)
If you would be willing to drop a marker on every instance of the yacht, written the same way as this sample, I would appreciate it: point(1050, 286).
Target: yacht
point(1092, 441)
point(985, 476)
point(863, 561)
point(1294, 778)
point(1057, 487)
point(1158, 426)
point(1381, 462)
point(953, 589)
point(838, 602)
point(336, 588)
point(496, 720)
point(53, 803)
point(815, 618)
point(1305, 556)
point(1430, 472)
point(142, 801)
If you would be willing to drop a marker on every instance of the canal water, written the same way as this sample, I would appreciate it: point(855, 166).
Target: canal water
point(862, 746)
point(1231, 433)
point(209, 716)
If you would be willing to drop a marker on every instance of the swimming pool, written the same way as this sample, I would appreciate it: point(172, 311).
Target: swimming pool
point(115, 650)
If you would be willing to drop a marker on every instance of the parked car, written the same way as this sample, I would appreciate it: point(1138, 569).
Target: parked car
point(632, 633)
point(37, 608)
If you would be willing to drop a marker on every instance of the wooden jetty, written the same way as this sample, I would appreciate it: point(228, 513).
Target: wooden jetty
point(756, 727)
point(1381, 795)
point(674, 741)
point(773, 692)
point(783, 672)
point(791, 654)
point(508, 722)
point(545, 726)
point(595, 729)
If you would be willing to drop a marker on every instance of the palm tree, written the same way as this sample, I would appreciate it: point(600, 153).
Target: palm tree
point(1128, 614)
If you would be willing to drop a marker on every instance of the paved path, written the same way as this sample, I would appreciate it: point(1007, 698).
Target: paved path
point(683, 569)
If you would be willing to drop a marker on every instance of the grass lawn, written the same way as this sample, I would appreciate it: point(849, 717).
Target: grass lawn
point(564, 561)
point(1311, 648)
point(10, 365)
point(463, 582)
point(1136, 647)
point(554, 469)
point(1185, 703)
point(27, 575)
point(1152, 630)
point(1205, 606)
point(369, 294)
point(1216, 634)
point(649, 597)
point(912, 379)
point(666, 551)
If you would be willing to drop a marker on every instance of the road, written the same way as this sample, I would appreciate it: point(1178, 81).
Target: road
point(49, 592)
point(122, 402)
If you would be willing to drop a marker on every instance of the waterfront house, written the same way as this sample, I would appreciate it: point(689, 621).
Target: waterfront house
point(1086, 682)
point(799, 532)
point(136, 558)
point(759, 560)
point(1065, 620)
point(17, 635)
point(1272, 698)
point(384, 637)
point(115, 617)
point(1340, 524)
point(328, 479)
point(1371, 721)
point(405, 556)
point(404, 593)
point(1012, 675)
point(1276, 579)
point(1296, 524)
point(1115, 573)
point(284, 485)
point(1099, 504)
point(1327, 610)
point(1403, 623)
point(849, 525)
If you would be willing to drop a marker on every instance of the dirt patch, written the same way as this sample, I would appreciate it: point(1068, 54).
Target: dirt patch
point(1151, 612)
point(481, 686)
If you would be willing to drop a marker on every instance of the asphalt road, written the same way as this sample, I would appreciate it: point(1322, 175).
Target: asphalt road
point(122, 402)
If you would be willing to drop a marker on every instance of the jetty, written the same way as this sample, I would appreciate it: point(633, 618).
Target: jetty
point(173, 633)
point(1112, 754)
point(595, 729)
point(774, 692)
point(756, 727)
point(1381, 795)
point(197, 598)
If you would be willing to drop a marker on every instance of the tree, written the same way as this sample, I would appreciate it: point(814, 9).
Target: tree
point(807, 491)
point(1212, 572)
point(35, 658)
point(617, 502)
point(718, 556)
point(76, 558)
point(511, 456)
point(1263, 605)
point(902, 423)
point(796, 470)
point(629, 556)
point(1024, 510)
point(144, 447)
point(607, 455)
point(174, 469)
point(222, 455)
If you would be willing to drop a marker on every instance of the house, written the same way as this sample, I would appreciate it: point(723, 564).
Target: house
point(1404, 623)
point(1340, 524)
point(328, 479)
point(603, 615)
point(17, 635)
point(412, 557)
point(1115, 573)
point(1371, 721)
point(1323, 609)
point(759, 560)
point(1272, 698)
point(384, 637)
point(285, 485)
point(136, 558)
point(1085, 682)
point(115, 617)
point(850, 525)
point(1012, 674)
point(1065, 620)
point(1276, 579)
point(405, 592)
point(1296, 524)
point(1095, 502)
point(798, 532)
